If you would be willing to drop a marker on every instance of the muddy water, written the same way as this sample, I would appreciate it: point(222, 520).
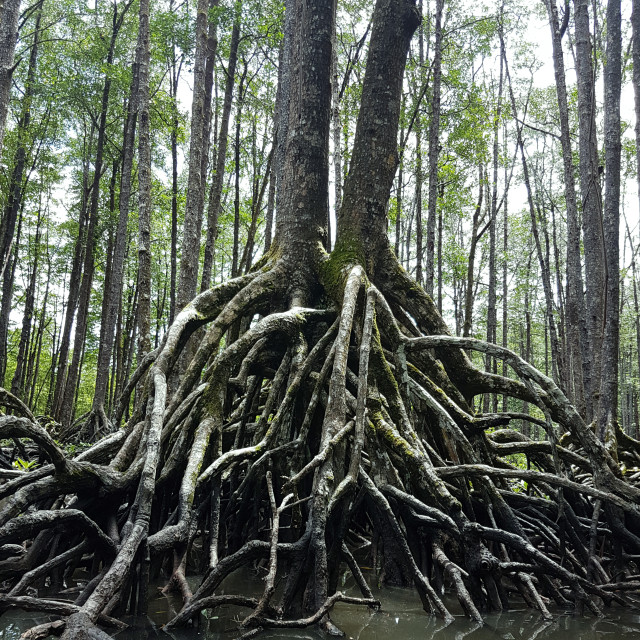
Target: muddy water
point(401, 618)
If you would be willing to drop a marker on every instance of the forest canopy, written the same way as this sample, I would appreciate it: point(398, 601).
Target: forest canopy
point(310, 286)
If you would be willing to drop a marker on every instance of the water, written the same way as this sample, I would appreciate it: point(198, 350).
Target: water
point(401, 618)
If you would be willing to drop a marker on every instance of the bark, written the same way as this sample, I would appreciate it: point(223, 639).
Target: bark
point(301, 221)
point(236, 200)
point(576, 328)
point(592, 228)
point(9, 14)
point(608, 408)
point(336, 138)
point(362, 224)
point(434, 133)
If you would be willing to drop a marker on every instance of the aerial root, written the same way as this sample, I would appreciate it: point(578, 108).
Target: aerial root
point(296, 444)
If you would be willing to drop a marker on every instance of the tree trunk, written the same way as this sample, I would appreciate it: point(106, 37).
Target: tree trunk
point(18, 383)
point(434, 133)
point(215, 191)
point(74, 287)
point(471, 263)
point(144, 188)
point(577, 356)
point(9, 14)
point(608, 408)
point(591, 209)
point(191, 230)
point(302, 210)
point(71, 383)
point(16, 184)
point(419, 172)
point(113, 292)
point(492, 310)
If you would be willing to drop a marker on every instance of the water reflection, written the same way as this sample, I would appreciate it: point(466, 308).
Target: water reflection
point(401, 618)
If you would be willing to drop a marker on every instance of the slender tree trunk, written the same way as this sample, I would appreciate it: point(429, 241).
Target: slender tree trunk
point(505, 279)
point(113, 292)
point(399, 189)
point(475, 237)
point(215, 191)
point(7, 291)
point(16, 185)
point(236, 200)
point(592, 228)
point(577, 356)
point(492, 309)
point(9, 14)
point(419, 171)
point(608, 409)
point(191, 230)
point(70, 388)
point(17, 384)
point(434, 132)
point(74, 289)
point(144, 189)
point(556, 352)
point(33, 368)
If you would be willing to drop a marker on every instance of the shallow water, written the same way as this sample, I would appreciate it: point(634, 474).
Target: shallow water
point(401, 618)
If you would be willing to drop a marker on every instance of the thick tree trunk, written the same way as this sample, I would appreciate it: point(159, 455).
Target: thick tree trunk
point(303, 202)
point(362, 222)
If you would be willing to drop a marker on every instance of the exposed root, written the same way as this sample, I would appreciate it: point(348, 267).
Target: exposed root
point(312, 437)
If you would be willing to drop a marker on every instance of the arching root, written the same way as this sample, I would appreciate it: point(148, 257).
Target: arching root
point(295, 434)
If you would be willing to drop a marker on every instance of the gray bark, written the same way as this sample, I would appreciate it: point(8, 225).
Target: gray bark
point(304, 199)
point(362, 220)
